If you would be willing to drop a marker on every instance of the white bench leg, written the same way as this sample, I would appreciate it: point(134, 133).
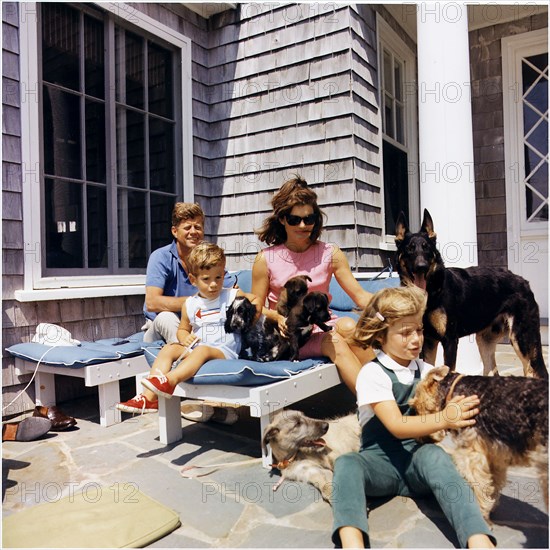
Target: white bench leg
point(169, 420)
point(267, 459)
point(44, 389)
point(109, 395)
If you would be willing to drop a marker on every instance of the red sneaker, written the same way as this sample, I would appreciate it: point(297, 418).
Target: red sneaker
point(158, 383)
point(138, 404)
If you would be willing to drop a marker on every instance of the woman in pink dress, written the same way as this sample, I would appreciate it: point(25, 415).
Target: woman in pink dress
point(293, 231)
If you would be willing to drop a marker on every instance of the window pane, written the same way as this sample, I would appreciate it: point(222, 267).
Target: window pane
point(396, 185)
point(61, 133)
point(400, 123)
point(161, 155)
point(95, 141)
point(160, 81)
point(388, 116)
point(130, 148)
point(96, 209)
point(398, 79)
point(94, 65)
point(388, 85)
point(132, 227)
point(161, 216)
point(63, 209)
point(60, 45)
point(130, 74)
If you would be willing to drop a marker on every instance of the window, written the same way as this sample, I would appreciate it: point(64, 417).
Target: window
point(534, 97)
point(86, 203)
point(398, 117)
point(106, 145)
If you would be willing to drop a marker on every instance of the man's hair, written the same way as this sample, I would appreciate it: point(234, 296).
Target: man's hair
point(184, 211)
point(205, 256)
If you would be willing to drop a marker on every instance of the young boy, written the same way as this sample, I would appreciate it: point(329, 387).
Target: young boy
point(201, 334)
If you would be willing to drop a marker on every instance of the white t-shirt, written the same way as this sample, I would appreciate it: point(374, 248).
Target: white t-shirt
point(374, 385)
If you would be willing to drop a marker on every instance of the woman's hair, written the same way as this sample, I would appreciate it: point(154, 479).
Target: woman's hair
point(205, 256)
point(294, 192)
point(384, 308)
point(184, 211)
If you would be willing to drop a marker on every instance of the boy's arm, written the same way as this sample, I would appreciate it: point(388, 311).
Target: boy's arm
point(185, 334)
point(458, 413)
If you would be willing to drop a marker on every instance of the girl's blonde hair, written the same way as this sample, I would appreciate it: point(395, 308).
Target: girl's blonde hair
point(384, 308)
point(205, 256)
point(294, 192)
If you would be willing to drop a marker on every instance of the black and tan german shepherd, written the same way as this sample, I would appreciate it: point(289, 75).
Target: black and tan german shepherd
point(488, 301)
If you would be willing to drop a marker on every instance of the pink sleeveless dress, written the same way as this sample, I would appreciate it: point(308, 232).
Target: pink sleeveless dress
point(316, 261)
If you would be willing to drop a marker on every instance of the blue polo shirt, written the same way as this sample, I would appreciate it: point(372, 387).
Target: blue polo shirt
point(165, 270)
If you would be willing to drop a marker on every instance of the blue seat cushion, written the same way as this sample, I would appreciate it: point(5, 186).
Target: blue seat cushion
point(242, 372)
point(87, 353)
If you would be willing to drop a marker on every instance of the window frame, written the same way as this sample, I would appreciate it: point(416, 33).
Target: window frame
point(36, 286)
point(389, 39)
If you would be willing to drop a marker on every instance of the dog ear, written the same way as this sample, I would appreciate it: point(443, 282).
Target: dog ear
point(439, 373)
point(269, 435)
point(401, 228)
point(428, 225)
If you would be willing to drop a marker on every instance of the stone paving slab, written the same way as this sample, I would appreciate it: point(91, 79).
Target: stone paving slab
point(236, 507)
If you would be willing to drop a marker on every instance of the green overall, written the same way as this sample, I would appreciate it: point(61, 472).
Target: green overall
point(388, 466)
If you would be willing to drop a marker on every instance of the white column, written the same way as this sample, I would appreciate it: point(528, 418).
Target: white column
point(447, 186)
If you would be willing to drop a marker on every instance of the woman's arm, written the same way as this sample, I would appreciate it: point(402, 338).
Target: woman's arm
point(344, 276)
point(260, 287)
point(254, 300)
point(458, 413)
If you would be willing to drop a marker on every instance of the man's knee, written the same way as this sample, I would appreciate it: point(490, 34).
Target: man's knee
point(166, 325)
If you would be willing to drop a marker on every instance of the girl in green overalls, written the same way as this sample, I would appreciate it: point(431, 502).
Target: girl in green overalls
point(391, 462)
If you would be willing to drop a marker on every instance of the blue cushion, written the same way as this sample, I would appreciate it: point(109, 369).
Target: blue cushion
point(343, 303)
point(244, 279)
point(241, 372)
point(87, 353)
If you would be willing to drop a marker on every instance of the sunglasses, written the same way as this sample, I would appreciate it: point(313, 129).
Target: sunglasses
point(295, 220)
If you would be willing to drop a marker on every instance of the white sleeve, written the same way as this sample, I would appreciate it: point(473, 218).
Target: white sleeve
point(373, 385)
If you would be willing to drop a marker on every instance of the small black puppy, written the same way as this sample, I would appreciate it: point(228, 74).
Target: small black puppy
point(311, 310)
point(262, 341)
point(294, 290)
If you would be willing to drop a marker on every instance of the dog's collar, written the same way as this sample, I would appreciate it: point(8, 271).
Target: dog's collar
point(452, 388)
point(284, 463)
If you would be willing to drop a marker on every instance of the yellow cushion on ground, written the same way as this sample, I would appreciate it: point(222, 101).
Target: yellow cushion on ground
point(103, 518)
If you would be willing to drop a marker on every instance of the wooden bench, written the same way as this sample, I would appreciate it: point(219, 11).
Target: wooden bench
point(106, 376)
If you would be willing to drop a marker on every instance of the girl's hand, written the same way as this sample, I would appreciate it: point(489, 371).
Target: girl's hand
point(460, 412)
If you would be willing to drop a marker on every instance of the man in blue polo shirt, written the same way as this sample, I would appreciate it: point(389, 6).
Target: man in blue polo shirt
point(167, 282)
point(167, 285)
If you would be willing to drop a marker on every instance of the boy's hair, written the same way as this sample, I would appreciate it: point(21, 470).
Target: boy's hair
point(205, 256)
point(184, 211)
point(294, 192)
point(384, 308)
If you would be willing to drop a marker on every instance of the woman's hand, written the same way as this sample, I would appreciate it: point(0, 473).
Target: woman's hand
point(460, 411)
point(281, 321)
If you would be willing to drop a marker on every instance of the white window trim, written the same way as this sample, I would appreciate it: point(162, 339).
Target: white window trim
point(513, 49)
point(35, 286)
point(390, 38)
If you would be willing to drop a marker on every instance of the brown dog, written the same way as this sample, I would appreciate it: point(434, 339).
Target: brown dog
point(511, 427)
point(304, 449)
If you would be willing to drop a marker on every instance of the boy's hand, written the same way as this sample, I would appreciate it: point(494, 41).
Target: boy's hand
point(460, 411)
point(189, 340)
